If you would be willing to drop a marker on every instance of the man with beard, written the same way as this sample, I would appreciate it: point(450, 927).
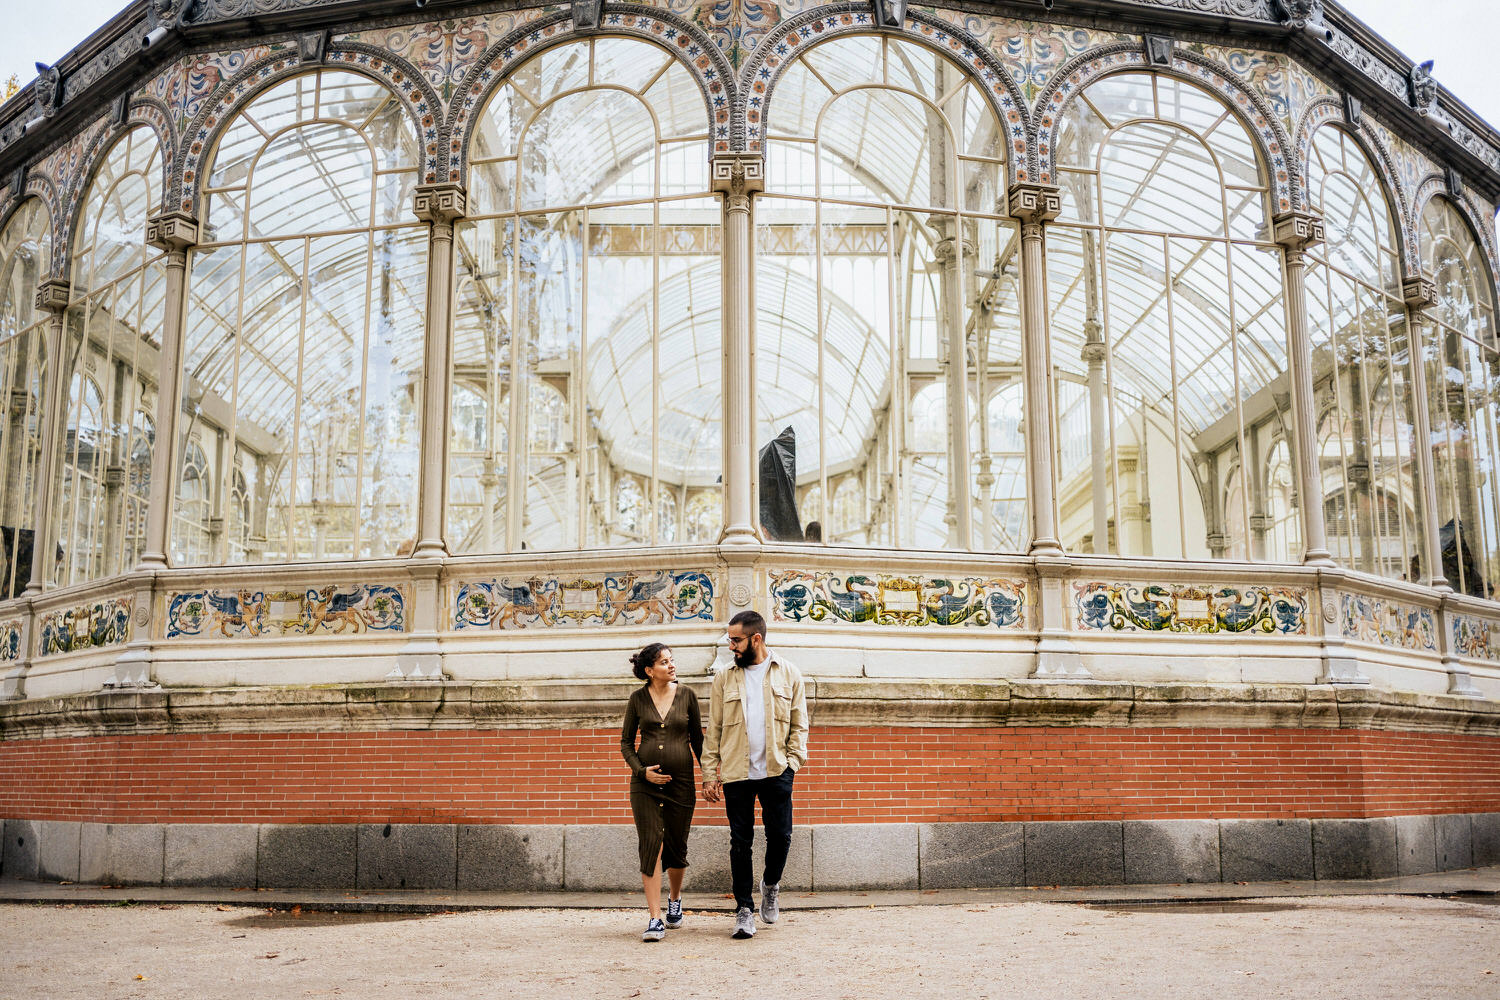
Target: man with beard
point(755, 744)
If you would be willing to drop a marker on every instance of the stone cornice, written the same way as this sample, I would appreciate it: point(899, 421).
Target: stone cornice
point(831, 702)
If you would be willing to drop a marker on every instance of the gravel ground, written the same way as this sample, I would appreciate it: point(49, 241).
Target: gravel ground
point(1366, 947)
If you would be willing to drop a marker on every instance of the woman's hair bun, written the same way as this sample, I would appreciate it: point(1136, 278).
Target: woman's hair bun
point(646, 658)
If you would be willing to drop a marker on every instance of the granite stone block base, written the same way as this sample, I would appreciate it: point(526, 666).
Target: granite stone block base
point(825, 857)
point(209, 854)
point(970, 855)
point(1173, 850)
point(1485, 836)
point(1455, 841)
point(122, 853)
point(311, 856)
point(407, 856)
point(22, 854)
point(510, 858)
point(1416, 845)
point(1265, 850)
point(708, 860)
point(1354, 848)
point(1084, 853)
point(59, 846)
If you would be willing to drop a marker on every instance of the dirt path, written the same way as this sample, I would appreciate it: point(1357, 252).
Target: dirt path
point(1377, 946)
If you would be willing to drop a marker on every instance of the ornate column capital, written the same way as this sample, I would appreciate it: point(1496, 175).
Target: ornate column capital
point(52, 295)
point(173, 231)
point(1297, 230)
point(738, 173)
point(440, 204)
point(1033, 203)
point(1419, 291)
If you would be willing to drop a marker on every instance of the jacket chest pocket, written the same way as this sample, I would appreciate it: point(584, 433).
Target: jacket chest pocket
point(781, 703)
point(734, 707)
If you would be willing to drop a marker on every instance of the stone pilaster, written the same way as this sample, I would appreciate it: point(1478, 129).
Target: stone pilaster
point(1034, 205)
point(738, 177)
point(440, 206)
point(1296, 232)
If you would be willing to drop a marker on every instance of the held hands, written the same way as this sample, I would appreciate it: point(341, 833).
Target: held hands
point(654, 775)
point(712, 790)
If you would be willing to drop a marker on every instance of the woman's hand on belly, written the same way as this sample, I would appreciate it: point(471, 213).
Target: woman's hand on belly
point(656, 776)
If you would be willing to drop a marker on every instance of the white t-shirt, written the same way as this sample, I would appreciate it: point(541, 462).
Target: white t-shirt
point(755, 715)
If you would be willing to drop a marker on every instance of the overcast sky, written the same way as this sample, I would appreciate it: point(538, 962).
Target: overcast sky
point(1461, 35)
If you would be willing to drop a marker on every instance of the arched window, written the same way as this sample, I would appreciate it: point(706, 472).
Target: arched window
point(1166, 318)
point(630, 508)
point(138, 490)
point(589, 264)
point(848, 513)
point(885, 280)
point(81, 521)
point(1462, 369)
point(304, 344)
point(25, 249)
point(194, 505)
point(112, 350)
point(703, 516)
point(1277, 531)
point(1362, 363)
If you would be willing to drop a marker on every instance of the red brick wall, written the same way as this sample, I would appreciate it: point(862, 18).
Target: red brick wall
point(856, 775)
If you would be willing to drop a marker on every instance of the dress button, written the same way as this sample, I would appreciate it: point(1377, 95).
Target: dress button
point(660, 747)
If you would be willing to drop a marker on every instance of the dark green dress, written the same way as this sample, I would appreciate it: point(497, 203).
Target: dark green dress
point(663, 813)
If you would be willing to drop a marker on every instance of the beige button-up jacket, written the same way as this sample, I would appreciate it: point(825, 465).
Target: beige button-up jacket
point(726, 745)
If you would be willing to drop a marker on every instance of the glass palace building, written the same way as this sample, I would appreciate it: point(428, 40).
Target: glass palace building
point(1100, 399)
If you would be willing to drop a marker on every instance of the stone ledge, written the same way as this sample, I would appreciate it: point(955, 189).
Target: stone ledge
point(825, 857)
point(832, 702)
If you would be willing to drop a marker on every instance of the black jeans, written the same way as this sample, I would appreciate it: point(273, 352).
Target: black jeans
point(775, 796)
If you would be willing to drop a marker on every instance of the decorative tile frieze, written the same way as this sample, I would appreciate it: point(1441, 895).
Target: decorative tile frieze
point(1475, 638)
point(1381, 621)
point(1031, 50)
point(886, 599)
point(322, 610)
point(10, 640)
point(88, 626)
point(597, 599)
point(1203, 609)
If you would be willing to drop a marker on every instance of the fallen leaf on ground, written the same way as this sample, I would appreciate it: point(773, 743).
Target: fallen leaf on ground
point(271, 954)
point(139, 976)
point(224, 909)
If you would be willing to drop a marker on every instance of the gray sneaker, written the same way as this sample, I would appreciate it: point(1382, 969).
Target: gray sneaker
point(744, 923)
point(769, 909)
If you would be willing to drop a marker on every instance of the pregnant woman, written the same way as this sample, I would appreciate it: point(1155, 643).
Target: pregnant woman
point(662, 789)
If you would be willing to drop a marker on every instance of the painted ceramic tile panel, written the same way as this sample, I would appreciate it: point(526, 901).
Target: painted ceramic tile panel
point(1387, 623)
point(10, 641)
point(1033, 50)
point(90, 626)
point(736, 26)
point(327, 610)
point(444, 51)
point(882, 599)
point(1268, 73)
point(661, 597)
point(1194, 608)
point(1476, 638)
point(187, 83)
